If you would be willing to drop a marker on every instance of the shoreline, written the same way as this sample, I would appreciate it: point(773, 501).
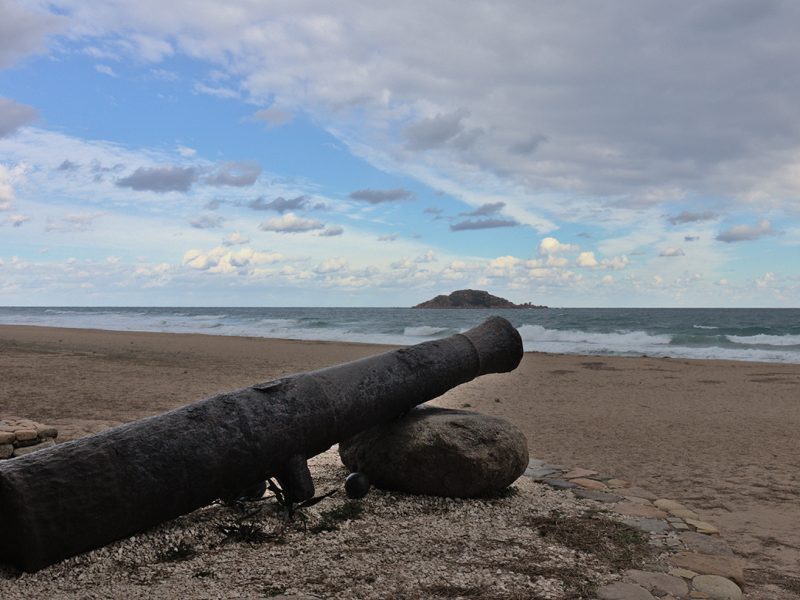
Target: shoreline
point(383, 346)
point(717, 435)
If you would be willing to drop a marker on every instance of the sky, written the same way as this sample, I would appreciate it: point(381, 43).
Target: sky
point(307, 153)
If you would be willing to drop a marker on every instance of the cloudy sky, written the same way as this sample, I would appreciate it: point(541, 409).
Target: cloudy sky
point(274, 153)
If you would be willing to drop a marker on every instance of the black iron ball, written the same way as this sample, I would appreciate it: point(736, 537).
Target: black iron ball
point(356, 485)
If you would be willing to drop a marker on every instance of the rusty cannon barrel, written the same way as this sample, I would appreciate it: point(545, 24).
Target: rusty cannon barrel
point(83, 494)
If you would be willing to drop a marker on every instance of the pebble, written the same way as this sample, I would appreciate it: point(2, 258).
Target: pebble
point(647, 525)
point(589, 484)
point(25, 434)
point(717, 587)
point(31, 449)
point(559, 484)
point(659, 583)
point(704, 544)
point(45, 431)
point(579, 473)
point(636, 499)
point(685, 514)
point(710, 564)
point(596, 495)
point(668, 505)
point(638, 493)
point(539, 473)
point(631, 509)
point(702, 526)
point(623, 591)
point(685, 573)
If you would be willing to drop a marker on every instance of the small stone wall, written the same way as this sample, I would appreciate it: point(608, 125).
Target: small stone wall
point(20, 436)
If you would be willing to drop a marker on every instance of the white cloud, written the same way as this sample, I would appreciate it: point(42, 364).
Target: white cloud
point(274, 116)
point(18, 220)
point(331, 265)
point(9, 177)
point(235, 238)
point(73, 223)
point(551, 245)
point(186, 152)
point(766, 280)
point(586, 260)
point(105, 70)
point(225, 260)
point(218, 92)
point(671, 252)
point(291, 223)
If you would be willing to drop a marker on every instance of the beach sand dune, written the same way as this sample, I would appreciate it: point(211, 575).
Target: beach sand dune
point(722, 437)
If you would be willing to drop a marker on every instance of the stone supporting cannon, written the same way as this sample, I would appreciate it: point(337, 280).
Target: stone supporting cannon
point(83, 494)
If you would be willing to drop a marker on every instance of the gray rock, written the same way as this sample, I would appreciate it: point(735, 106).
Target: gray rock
point(659, 583)
point(560, 484)
point(596, 495)
point(706, 544)
point(623, 591)
point(717, 587)
point(6, 450)
point(648, 525)
point(36, 448)
point(439, 452)
point(539, 473)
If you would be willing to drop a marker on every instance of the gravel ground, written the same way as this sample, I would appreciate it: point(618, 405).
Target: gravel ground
point(388, 545)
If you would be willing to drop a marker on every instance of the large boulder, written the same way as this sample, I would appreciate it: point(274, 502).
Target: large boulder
point(439, 452)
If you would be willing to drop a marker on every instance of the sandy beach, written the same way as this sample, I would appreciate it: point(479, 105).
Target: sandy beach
point(719, 436)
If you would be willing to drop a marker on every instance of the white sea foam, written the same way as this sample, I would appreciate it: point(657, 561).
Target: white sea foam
point(423, 331)
point(704, 327)
point(538, 338)
point(635, 343)
point(766, 340)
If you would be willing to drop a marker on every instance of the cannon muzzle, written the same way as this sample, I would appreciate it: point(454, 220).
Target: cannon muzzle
point(83, 494)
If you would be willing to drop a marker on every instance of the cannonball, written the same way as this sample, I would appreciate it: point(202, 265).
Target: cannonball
point(356, 485)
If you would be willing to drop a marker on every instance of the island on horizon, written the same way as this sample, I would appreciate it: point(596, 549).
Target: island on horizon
point(472, 299)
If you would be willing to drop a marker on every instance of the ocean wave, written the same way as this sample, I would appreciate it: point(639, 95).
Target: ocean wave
point(636, 343)
point(423, 331)
point(704, 327)
point(536, 335)
point(766, 340)
point(699, 340)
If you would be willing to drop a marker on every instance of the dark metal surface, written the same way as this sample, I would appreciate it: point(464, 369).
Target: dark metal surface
point(84, 494)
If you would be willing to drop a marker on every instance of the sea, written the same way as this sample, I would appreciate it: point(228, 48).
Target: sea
point(767, 335)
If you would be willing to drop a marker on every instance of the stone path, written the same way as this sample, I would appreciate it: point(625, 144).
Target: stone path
point(700, 562)
point(19, 436)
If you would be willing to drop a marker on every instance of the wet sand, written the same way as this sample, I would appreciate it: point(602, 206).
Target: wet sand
point(719, 436)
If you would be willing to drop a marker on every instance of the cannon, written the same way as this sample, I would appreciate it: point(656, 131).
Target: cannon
point(83, 494)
